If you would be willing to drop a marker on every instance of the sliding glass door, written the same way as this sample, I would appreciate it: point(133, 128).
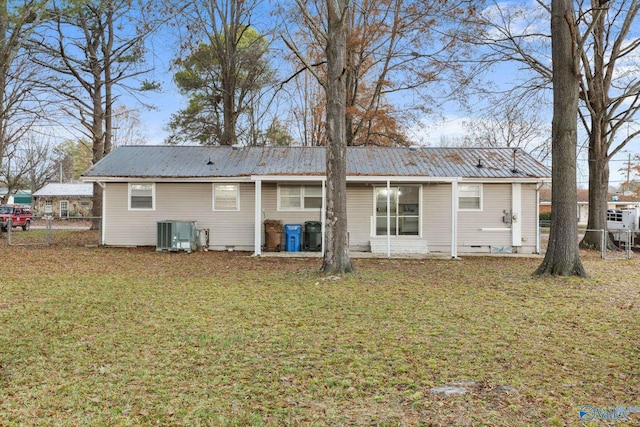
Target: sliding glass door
point(403, 211)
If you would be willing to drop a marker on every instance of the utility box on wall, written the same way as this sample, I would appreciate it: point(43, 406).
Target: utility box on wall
point(176, 236)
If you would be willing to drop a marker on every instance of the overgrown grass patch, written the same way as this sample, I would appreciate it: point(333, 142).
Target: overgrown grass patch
point(106, 336)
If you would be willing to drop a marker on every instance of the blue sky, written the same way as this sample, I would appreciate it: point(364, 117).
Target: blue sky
point(168, 101)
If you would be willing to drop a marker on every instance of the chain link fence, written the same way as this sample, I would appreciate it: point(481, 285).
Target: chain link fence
point(624, 239)
point(47, 230)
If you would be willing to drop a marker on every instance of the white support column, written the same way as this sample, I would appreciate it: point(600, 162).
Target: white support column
point(323, 213)
point(257, 235)
point(454, 219)
point(388, 218)
point(516, 214)
point(538, 244)
point(103, 218)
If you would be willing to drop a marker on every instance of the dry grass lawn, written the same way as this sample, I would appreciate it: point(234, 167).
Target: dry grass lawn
point(110, 336)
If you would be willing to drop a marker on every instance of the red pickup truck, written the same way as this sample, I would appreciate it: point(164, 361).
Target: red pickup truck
point(15, 216)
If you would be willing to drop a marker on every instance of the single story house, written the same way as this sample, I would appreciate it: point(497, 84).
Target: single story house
point(64, 199)
point(400, 200)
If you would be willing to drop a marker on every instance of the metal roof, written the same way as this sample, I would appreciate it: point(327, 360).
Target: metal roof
point(65, 189)
point(216, 161)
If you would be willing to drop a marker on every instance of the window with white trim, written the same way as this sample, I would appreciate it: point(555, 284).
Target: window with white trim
point(299, 197)
point(404, 210)
point(142, 196)
point(470, 197)
point(226, 197)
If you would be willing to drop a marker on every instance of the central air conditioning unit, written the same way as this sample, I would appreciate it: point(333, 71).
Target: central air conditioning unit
point(175, 236)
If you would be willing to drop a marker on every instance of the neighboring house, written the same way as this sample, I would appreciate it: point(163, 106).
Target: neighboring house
point(399, 200)
point(614, 201)
point(64, 200)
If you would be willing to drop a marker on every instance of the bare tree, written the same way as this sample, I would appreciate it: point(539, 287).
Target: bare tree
point(21, 105)
point(126, 127)
point(609, 77)
point(562, 256)
point(330, 29)
point(511, 122)
point(26, 165)
point(93, 46)
point(611, 97)
point(38, 161)
point(308, 109)
point(398, 54)
point(336, 255)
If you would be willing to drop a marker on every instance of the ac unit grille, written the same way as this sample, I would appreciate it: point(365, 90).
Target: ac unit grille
point(176, 236)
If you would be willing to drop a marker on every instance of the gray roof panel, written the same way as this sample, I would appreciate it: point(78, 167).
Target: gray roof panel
point(52, 189)
point(210, 162)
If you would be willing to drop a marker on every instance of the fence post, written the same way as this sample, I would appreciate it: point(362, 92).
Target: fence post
point(48, 233)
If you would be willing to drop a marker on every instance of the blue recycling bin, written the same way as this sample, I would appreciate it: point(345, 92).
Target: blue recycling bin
point(292, 235)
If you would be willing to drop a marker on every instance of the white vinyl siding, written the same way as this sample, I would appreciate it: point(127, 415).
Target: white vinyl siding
point(179, 201)
point(436, 218)
point(529, 218)
point(359, 217)
point(142, 196)
point(226, 197)
point(480, 230)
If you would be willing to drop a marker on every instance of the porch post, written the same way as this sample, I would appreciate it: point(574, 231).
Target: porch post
point(257, 235)
point(454, 219)
point(323, 212)
point(388, 218)
point(538, 248)
point(103, 220)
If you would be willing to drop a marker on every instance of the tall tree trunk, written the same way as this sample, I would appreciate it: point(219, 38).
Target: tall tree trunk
point(228, 58)
point(336, 254)
point(228, 108)
point(351, 82)
point(97, 117)
point(107, 52)
point(562, 256)
point(4, 67)
point(598, 188)
point(596, 98)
